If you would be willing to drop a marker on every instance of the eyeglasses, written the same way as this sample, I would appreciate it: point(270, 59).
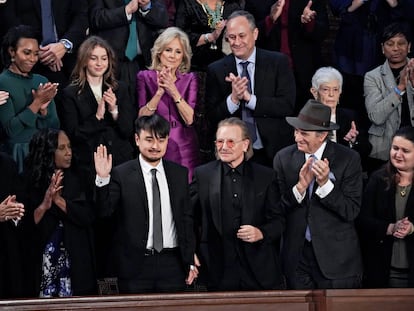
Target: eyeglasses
point(229, 142)
point(327, 90)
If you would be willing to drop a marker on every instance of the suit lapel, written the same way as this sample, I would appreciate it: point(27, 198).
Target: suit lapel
point(260, 72)
point(136, 173)
point(329, 153)
point(215, 197)
point(172, 187)
point(229, 65)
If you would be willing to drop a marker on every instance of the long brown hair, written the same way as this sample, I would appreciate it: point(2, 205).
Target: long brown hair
point(78, 76)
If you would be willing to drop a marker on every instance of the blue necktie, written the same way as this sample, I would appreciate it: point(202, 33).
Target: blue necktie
point(131, 50)
point(308, 235)
point(48, 24)
point(247, 114)
point(156, 213)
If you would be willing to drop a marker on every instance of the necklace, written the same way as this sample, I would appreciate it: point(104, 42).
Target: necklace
point(213, 16)
point(403, 190)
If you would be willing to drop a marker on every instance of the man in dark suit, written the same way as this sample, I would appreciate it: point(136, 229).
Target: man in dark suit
point(262, 95)
point(154, 248)
point(112, 20)
point(238, 215)
point(320, 186)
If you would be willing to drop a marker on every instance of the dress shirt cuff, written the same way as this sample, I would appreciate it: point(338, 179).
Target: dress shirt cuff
point(252, 102)
point(102, 181)
point(325, 189)
point(232, 107)
point(297, 195)
point(128, 16)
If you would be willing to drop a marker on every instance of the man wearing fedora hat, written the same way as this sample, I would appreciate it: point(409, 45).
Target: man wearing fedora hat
point(320, 192)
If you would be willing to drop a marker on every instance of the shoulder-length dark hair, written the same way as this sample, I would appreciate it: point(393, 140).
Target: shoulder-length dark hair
point(392, 177)
point(78, 76)
point(40, 162)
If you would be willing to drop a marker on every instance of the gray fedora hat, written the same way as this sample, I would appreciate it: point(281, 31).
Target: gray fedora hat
point(314, 116)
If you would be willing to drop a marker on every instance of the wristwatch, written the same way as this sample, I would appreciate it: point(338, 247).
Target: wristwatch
point(67, 44)
point(397, 90)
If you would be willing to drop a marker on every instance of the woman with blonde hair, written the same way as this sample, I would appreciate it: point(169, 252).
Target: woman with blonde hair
point(170, 90)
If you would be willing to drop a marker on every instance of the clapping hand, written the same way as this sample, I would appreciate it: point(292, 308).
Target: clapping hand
point(218, 29)
point(10, 209)
point(110, 98)
point(276, 10)
point(352, 134)
point(43, 96)
point(239, 89)
point(54, 188)
point(308, 14)
point(4, 96)
point(100, 111)
point(166, 81)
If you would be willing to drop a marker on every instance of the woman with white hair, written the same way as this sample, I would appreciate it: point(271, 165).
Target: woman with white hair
point(327, 88)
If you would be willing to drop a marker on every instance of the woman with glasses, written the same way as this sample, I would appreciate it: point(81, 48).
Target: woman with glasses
point(327, 88)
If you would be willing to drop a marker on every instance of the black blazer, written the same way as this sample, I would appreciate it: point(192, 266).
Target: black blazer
point(78, 236)
point(274, 86)
point(126, 197)
point(377, 212)
point(12, 238)
point(108, 20)
point(331, 219)
point(86, 132)
point(259, 209)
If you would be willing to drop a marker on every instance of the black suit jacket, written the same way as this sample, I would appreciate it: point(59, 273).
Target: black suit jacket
point(259, 209)
point(108, 20)
point(77, 225)
point(86, 132)
point(13, 273)
point(126, 196)
point(331, 219)
point(377, 212)
point(274, 87)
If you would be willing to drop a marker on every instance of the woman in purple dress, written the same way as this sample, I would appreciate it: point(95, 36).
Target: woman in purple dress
point(169, 90)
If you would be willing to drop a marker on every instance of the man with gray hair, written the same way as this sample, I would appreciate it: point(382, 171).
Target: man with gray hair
point(320, 184)
point(255, 85)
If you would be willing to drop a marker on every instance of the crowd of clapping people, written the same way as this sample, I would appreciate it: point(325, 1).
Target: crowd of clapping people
point(176, 145)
